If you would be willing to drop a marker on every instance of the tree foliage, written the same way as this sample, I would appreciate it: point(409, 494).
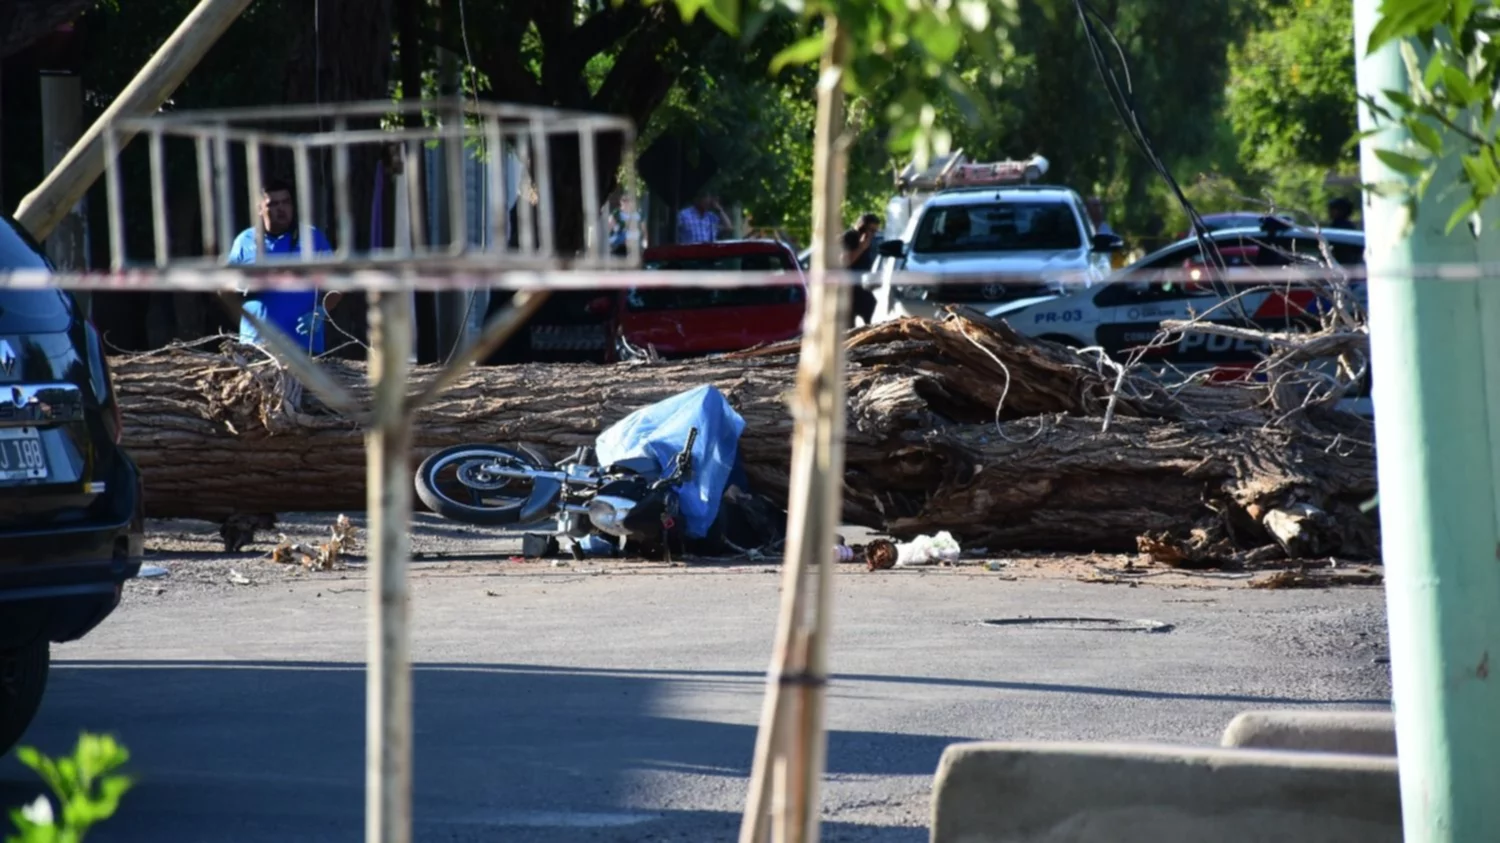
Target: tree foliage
point(1450, 105)
point(1289, 95)
point(899, 51)
point(1291, 103)
point(1255, 96)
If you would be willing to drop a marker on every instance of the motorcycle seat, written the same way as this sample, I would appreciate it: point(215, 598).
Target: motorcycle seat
point(645, 466)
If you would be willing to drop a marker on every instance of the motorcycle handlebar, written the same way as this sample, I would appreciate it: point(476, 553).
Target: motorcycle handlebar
point(683, 462)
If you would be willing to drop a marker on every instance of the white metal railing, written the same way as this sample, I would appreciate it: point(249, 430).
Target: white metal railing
point(232, 141)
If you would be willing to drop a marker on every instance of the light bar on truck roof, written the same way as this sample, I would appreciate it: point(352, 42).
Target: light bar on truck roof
point(997, 173)
point(959, 171)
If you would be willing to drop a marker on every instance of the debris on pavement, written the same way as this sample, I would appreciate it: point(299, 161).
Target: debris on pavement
point(928, 550)
point(324, 557)
point(152, 571)
point(238, 578)
point(880, 555)
point(238, 530)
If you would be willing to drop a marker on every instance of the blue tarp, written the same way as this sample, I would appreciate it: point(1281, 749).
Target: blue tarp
point(660, 431)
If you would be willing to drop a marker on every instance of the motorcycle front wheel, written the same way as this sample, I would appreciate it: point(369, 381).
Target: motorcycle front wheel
point(458, 484)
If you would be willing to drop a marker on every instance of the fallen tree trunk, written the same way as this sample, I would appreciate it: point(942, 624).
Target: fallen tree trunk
point(958, 424)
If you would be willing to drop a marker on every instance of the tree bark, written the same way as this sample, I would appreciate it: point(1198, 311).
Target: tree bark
point(959, 425)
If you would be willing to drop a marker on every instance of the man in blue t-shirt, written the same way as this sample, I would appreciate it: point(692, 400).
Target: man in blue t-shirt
point(296, 312)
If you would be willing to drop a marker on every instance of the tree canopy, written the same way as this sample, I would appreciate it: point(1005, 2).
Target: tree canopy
point(1246, 100)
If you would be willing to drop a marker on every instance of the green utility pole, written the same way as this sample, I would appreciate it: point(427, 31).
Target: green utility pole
point(1436, 368)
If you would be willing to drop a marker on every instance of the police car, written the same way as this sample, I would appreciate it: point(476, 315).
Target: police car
point(1125, 314)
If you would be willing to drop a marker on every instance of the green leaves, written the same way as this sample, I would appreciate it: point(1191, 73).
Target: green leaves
point(1406, 18)
point(804, 51)
point(1404, 164)
point(1427, 137)
point(1448, 106)
point(1291, 92)
point(725, 13)
point(85, 784)
point(897, 46)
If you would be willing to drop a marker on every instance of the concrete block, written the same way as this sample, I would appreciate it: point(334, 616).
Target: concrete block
point(1355, 732)
point(1116, 793)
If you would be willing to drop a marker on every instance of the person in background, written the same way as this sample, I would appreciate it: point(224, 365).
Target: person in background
point(859, 244)
point(622, 215)
point(296, 312)
point(1340, 213)
point(1095, 207)
point(859, 257)
point(704, 221)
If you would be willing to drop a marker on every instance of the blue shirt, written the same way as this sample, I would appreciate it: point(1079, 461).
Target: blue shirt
point(282, 308)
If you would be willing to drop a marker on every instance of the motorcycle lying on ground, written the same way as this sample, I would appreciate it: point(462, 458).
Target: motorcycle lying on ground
point(650, 485)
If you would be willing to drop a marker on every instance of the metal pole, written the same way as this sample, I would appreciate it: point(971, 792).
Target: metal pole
point(159, 221)
point(62, 126)
point(1436, 357)
point(388, 718)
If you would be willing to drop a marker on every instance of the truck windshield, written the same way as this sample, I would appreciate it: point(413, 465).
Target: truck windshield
point(998, 227)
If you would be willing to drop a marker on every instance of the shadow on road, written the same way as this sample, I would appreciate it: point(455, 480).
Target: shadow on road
point(275, 751)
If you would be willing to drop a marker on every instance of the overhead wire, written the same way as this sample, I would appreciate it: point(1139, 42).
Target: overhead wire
point(470, 73)
point(1122, 99)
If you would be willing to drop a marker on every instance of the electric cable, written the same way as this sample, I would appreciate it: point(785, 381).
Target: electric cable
point(1122, 99)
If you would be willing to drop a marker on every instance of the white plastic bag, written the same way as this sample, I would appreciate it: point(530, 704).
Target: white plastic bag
point(927, 550)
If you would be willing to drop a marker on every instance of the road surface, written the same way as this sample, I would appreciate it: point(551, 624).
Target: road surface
point(616, 702)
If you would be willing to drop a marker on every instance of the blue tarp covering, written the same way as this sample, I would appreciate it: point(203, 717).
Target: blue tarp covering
point(660, 431)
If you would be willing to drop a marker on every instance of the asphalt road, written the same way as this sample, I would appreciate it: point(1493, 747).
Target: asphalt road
point(615, 703)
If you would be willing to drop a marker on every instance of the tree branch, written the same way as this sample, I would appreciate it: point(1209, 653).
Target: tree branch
point(640, 78)
point(601, 30)
point(511, 80)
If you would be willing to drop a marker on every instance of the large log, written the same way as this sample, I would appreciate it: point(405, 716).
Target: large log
point(959, 424)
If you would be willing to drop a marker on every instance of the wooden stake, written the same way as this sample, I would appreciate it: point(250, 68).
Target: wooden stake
point(791, 745)
point(388, 701)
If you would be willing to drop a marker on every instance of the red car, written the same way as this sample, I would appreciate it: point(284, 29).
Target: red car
point(690, 321)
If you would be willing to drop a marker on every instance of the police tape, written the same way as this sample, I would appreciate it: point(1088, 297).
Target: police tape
point(439, 277)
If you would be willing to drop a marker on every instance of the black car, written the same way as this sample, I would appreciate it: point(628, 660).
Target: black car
point(72, 518)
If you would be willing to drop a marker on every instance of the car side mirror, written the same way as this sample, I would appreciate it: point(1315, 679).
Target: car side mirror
point(892, 248)
point(1108, 242)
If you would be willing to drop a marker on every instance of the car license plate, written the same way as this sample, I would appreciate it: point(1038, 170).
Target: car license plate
point(21, 454)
